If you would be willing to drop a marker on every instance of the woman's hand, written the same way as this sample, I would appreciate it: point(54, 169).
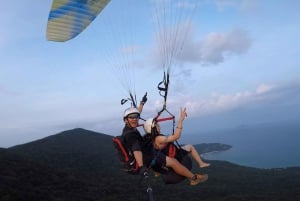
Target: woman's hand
point(183, 114)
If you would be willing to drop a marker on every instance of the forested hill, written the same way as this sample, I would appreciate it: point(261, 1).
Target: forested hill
point(82, 165)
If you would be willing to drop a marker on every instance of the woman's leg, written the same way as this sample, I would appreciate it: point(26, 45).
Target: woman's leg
point(183, 171)
point(178, 167)
point(193, 152)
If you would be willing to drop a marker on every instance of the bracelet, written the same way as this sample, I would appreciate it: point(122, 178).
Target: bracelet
point(142, 103)
point(178, 127)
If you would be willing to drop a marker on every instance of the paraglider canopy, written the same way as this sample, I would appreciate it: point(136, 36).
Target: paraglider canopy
point(68, 18)
point(125, 25)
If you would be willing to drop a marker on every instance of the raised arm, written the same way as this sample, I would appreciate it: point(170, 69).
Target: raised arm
point(177, 133)
point(142, 103)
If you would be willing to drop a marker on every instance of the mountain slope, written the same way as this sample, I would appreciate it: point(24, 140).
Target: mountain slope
point(81, 165)
point(78, 148)
point(22, 180)
point(75, 141)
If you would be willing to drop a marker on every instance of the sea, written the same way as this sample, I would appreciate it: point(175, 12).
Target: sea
point(260, 146)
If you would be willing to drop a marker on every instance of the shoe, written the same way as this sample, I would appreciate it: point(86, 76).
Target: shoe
point(198, 178)
point(156, 174)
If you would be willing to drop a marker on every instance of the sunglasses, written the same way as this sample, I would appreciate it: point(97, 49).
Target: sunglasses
point(133, 116)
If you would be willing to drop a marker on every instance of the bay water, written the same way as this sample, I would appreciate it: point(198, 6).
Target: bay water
point(260, 146)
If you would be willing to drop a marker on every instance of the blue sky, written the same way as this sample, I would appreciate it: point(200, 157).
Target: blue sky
point(240, 64)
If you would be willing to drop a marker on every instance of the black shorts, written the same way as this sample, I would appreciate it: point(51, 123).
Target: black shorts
point(157, 161)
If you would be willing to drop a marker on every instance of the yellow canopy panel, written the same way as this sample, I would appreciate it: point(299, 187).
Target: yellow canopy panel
point(68, 18)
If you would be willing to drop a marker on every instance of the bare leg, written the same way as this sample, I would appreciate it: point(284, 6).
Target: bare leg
point(183, 171)
point(138, 157)
point(178, 167)
point(190, 148)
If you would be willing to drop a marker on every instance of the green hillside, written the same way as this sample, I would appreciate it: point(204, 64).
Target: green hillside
point(81, 165)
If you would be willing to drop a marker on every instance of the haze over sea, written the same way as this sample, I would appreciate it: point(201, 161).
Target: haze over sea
point(271, 145)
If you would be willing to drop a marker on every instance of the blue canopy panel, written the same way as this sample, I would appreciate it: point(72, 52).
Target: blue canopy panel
point(68, 18)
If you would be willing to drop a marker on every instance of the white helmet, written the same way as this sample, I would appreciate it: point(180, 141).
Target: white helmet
point(131, 110)
point(148, 125)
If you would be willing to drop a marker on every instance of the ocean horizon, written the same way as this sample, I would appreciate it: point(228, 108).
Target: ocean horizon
point(263, 146)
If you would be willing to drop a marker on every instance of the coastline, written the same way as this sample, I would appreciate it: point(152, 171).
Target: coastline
point(260, 147)
point(262, 161)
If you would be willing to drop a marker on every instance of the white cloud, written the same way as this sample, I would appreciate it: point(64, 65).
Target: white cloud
point(240, 5)
point(222, 4)
point(3, 90)
point(248, 6)
point(263, 88)
point(217, 102)
point(214, 47)
point(186, 5)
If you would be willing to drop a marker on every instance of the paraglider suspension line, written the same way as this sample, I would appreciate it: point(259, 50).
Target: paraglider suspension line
point(132, 99)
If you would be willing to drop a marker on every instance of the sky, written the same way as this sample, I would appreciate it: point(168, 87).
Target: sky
point(239, 64)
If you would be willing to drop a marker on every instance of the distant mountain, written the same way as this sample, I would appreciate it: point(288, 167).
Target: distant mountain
point(81, 165)
point(79, 148)
point(75, 141)
point(82, 149)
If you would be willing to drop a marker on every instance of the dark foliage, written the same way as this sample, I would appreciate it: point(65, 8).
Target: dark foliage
point(81, 165)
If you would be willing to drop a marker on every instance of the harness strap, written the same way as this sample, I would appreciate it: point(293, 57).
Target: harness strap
point(172, 151)
point(121, 147)
point(155, 153)
point(163, 87)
